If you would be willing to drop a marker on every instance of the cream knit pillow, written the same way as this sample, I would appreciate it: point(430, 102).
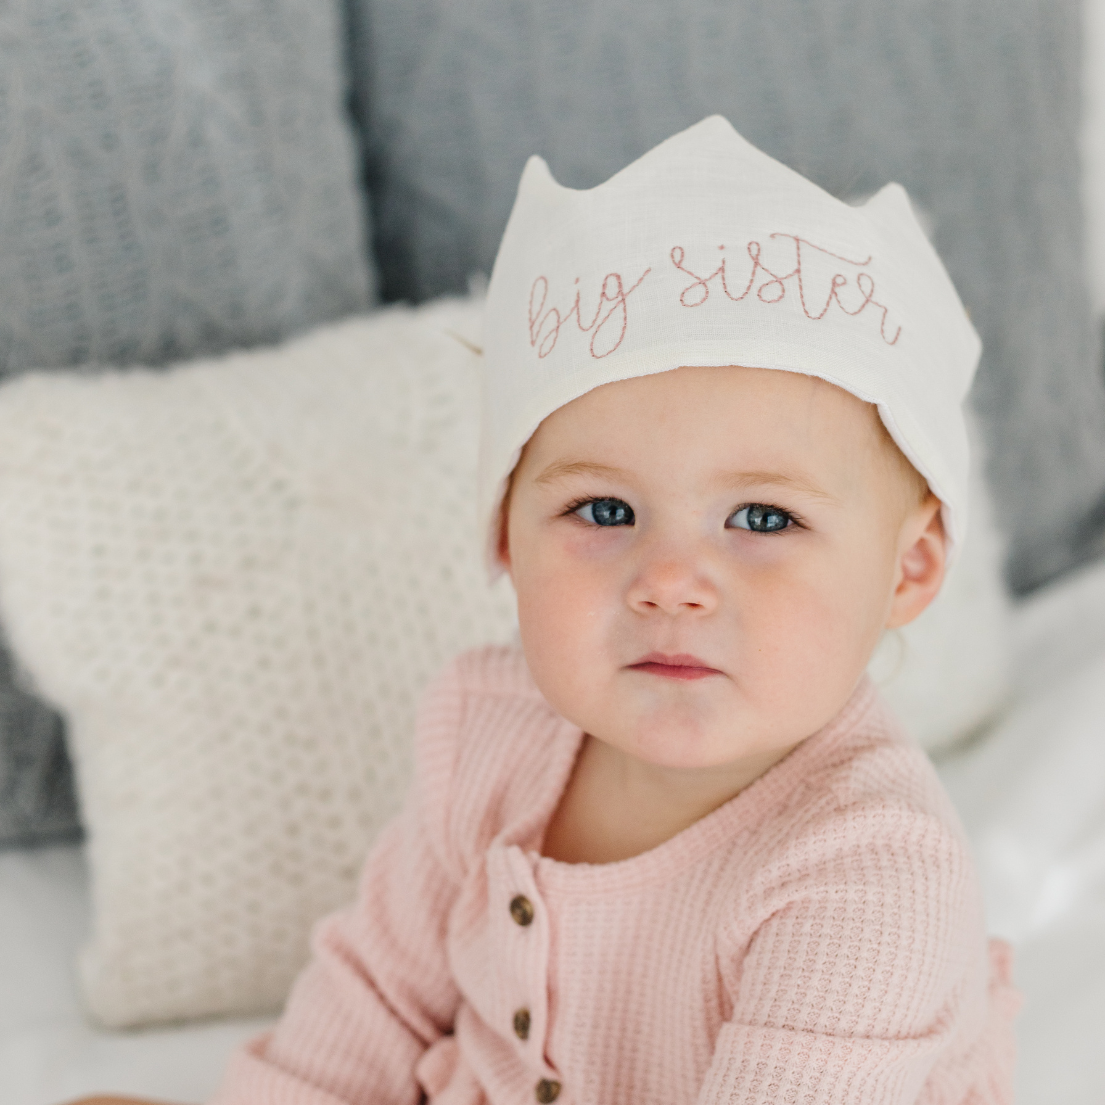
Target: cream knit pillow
point(234, 578)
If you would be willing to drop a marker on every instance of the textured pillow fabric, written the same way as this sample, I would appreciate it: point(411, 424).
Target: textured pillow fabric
point(37, 803)
point(973, 106)
point(175, 178)
point(1093, 146)
point(235, 578)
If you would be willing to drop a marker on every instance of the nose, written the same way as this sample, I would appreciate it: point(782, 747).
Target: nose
point(674, 581)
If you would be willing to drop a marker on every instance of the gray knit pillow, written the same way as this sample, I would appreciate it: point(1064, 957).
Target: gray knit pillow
point(973, 106)
point(37, 804)
point(177, 177)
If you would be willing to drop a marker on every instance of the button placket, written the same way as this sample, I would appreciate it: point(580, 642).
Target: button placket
point(522, 913)
point(527, 948)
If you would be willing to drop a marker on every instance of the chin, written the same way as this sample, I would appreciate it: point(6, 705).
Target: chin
point(680, 742)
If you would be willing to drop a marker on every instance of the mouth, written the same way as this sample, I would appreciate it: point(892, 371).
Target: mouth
point(680, 666)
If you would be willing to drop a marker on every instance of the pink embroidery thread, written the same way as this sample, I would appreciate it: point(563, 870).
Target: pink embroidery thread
point(697, 292)
point(545, 325)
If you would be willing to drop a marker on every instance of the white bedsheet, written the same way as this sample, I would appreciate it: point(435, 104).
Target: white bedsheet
point(1031, 791)
point(48, 1052)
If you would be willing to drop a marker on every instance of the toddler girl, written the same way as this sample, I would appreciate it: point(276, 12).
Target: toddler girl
point(674, 848)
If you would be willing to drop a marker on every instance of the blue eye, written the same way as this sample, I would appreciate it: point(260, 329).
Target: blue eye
point(761, 518)
point(606, 512)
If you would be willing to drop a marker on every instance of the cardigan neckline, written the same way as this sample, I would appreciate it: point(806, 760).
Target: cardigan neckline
point(739, 815)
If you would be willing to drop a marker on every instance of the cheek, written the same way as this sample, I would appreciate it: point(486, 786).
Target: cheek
point(567, 572)
point(565, 605)
point(813, 629)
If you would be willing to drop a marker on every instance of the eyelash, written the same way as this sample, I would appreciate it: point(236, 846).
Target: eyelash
point(573, 506)
point(797, 522)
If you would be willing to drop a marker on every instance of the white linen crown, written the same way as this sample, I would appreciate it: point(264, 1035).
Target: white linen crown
point(705, 251)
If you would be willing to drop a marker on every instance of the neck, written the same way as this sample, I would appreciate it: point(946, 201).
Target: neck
point(617, 806)
point(683, 795)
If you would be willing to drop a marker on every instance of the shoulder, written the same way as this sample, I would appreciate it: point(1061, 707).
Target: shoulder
point(864, 759)
point(870, 818)
point(486, 690)
point(865, 857)
point(885, 782)
point(485, 741)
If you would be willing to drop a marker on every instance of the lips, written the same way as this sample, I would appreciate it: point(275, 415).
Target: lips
point(680, 666)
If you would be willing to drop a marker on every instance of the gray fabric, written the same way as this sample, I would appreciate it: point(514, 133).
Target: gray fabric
point(176, 177)
point(37, 802)
point(973, 106)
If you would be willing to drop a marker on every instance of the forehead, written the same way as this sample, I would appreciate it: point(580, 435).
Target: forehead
point(742, 415)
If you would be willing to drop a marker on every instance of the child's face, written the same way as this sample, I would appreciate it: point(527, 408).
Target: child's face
point(671, 471)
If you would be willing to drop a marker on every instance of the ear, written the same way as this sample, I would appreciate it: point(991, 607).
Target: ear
point(922, 559)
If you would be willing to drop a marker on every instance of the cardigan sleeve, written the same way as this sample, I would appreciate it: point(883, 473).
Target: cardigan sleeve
point(870, 958)
point(377, 992)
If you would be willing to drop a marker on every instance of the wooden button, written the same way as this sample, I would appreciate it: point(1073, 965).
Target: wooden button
point(521, 1024)
point(547, 1091)
point(521, 909)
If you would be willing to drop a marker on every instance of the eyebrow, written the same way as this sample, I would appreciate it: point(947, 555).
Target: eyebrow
point(560, 470)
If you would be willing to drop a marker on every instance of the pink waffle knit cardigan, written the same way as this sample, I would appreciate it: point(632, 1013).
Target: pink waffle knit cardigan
point(818, 939)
